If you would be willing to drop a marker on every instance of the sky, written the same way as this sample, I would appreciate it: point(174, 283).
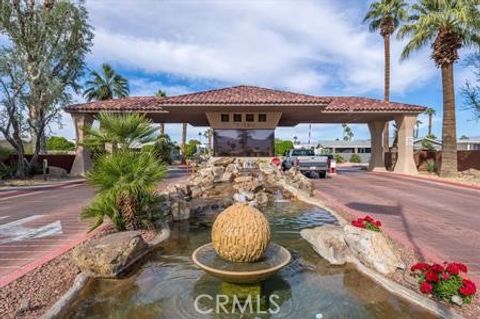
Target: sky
point(316, 47)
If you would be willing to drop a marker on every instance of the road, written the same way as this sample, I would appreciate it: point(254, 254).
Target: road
point(36, 226)
point(437, 220)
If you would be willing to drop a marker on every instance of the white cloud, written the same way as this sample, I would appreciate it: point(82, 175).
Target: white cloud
point(309, 46)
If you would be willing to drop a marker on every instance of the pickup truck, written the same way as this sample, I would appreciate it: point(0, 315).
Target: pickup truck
point(306, 161)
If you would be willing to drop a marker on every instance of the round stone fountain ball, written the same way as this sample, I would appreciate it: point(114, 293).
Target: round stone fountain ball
point(241, 233)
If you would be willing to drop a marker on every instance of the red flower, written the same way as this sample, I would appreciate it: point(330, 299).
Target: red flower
point(455, 268)
point(420, 266)
point(369, 219)
point(445, 276)
point(378, 223)
point(437, 268)
point(431, 276)
point(426, 288)
point(468, 288)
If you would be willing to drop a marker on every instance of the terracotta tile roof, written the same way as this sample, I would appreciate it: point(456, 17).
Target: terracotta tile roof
point(132, 103)
point(363, 104)
point(244, 95)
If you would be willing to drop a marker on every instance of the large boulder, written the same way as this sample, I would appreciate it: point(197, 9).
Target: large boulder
point(372, 249)
point(328, 242)
point(221, 161)
point(110, 255)
point(57, 172)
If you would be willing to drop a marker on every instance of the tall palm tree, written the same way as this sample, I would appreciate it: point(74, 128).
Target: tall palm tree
point(385, 16)
point(184, 143)
point(416, 132)
point(447, 25)
point(105, 85)
point(430, 112)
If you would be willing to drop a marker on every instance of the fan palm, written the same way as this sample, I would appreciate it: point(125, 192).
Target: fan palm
point(120, 130)
point(106, 86)
point(430, 112)
point(126, 183)
point(447, 25)
point(385, 16)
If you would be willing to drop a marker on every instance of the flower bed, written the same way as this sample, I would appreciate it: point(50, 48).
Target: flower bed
point(445, 282)
point(367, 222)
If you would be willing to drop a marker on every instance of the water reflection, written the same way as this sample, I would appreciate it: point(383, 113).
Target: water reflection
point(168, 283)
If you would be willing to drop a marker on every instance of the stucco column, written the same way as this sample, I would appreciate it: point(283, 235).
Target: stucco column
point(377, 163)
point(405, 161)
point(82, 160)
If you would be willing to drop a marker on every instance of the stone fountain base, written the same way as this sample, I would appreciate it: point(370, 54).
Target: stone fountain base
point(275, 258)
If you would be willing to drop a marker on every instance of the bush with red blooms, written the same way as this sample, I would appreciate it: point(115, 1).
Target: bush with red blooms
point(444, 281)
point(367, 222)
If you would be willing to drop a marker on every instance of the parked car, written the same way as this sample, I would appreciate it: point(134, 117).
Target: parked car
point(306, 161)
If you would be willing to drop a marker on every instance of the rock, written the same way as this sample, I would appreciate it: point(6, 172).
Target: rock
point(328, 242)
point(218, 171)
point(110, 255)
point(195, 191)
point(221, 161)
point(25, 306)
point(372, 249)
point(457, 300)
point(261, 198)
point(243, 179)
point(227, 177)
point(180, 210)
point(57, 172)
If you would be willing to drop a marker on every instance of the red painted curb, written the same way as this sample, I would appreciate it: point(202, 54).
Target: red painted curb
point(428, 179)
point(431, 255)
point(39, 188)
point(5, 280)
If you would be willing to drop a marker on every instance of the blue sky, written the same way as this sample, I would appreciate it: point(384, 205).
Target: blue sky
point(317, 47)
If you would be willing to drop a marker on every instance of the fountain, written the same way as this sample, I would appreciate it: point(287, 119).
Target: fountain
point(240, 251)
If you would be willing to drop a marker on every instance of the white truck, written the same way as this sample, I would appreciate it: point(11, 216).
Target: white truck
point(306, 161)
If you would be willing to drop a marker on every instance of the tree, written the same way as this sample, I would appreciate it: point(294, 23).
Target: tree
point(106, 85)
point(126, 180)
point(161, 93)
point(209, 135)
point(184, 143)
point(164, 149)
point(347, 132)
point(385, 16)
point(59, 143)
point(463, 137)
point(46, 47)
point(281, 146)
point(191, 148)
point(121, 131)
point(447, 25)
point(471, 91)
point(430, 112)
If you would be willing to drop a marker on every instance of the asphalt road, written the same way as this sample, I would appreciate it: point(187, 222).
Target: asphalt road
point(35, 225)
point(435, 219)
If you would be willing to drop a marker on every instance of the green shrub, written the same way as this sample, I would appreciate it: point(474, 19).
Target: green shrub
point(281, 146)
point(126, 183)
point(431, 165)
point(339, 158)
point(191, 148)
point(164, 149)
point(355, 158)
point(59, 143)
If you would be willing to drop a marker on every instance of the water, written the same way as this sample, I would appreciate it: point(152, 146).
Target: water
point(167, 284)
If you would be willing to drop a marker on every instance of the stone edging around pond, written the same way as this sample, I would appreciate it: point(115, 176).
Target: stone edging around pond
point(83, 279)
point(411, 296)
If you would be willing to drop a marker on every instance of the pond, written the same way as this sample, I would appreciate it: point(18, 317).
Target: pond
point(168, 285)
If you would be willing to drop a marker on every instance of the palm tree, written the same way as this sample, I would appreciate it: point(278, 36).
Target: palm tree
point(161, 93)
point(184, 143)
point(106, 86)
point(430, 112)
point(122, 131)
point(447, 26)
point(347, 132)
point(209, 134)
point(385, 16)
point(295, 140)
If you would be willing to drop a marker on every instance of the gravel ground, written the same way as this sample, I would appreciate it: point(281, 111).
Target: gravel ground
point(403, 277)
